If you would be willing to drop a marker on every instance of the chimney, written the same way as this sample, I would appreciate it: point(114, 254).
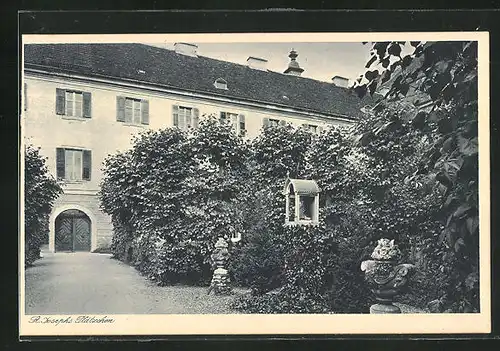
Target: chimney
point(293, 67)
point(340, 81)
point(186, 49)
point(257, 63)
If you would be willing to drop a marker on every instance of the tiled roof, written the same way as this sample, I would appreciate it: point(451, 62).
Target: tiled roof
point(167, 68)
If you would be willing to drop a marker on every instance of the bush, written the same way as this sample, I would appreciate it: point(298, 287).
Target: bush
point(444, 74)
point(389, 175)
point(258, 264)
point(171, 197)
point(307, 257)
point(40, 192)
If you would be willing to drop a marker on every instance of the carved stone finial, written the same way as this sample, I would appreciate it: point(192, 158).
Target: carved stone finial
point(385, 277)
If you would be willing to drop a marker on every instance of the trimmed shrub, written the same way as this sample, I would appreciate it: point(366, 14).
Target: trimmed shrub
point(171, 197)
point(40, 192)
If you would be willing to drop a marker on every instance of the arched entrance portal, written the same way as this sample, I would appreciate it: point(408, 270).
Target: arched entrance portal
point(72, 231)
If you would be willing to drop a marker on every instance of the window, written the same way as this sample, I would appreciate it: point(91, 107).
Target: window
point(132, 111)
point(73, 103)
point(311, 127)
point(220, 84)
point(73, 164)
point(273, 122)
point(237, 122)
point(185, 117)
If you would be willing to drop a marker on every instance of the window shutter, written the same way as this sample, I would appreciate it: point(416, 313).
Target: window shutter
point(87, 105)
point(175, 115)
point(320, 129)
point(282, 122)
point(144, 111)
point(265, 121)
point(60, 163)
point(60, 101)
point(196, 117)
point(120, 108)
point(222, 117)
point(86, 164)
point(241, 118)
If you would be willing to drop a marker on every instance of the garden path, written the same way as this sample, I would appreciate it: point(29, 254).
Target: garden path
point(91, 283)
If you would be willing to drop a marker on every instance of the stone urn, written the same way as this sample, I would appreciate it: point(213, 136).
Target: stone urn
point(220, 284)
point(385, 277)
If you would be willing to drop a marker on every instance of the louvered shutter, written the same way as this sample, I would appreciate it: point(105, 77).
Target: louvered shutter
point(222, 117)
point(120, 108)
point(234, 122)
point(60, 163)
point(241, 118)
point(86, 164)
point(87, 105)
point(144, 111)
point(265, 122)
point(175, 115)
point(60, 101)
point(196, 117)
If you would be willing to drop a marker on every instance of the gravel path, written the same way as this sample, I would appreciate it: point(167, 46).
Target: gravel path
point(89, 283)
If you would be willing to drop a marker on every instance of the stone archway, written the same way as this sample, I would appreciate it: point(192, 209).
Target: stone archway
point(72, 231)
point(72, 228)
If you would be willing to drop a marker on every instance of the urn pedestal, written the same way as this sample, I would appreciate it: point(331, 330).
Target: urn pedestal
point(220, 284)
point(386, 279)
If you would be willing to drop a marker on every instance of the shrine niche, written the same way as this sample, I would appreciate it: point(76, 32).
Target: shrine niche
point(302, 202)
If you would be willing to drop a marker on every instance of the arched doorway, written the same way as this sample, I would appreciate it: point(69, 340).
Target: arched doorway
point(72, 231)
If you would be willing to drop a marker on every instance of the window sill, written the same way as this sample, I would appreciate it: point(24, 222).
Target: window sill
point(302, 222)
point(69, 118)
point(72, 182)
point(142, 126)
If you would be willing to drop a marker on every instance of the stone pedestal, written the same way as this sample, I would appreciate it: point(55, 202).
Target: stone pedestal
point(386, 279)
point(220, 284)
point(379, 308)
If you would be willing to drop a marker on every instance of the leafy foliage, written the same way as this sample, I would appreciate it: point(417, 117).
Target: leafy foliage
point(171, 196)
point(445, 75)
point(40, 192)
point(406, 171)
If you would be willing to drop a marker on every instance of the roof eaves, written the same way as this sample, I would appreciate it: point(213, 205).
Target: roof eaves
point(96, 75)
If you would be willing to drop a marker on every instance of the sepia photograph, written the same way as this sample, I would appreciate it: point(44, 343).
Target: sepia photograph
point(232, 179)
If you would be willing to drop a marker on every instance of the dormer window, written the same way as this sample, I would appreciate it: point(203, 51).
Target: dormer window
point(220, 84)
point(302, 202)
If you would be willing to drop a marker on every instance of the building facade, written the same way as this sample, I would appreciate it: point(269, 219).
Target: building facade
point(83, 102)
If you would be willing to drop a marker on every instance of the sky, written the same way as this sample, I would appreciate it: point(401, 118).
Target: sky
point(321, 61)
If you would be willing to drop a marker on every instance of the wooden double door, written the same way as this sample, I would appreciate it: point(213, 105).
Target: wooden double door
point(73, 230)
